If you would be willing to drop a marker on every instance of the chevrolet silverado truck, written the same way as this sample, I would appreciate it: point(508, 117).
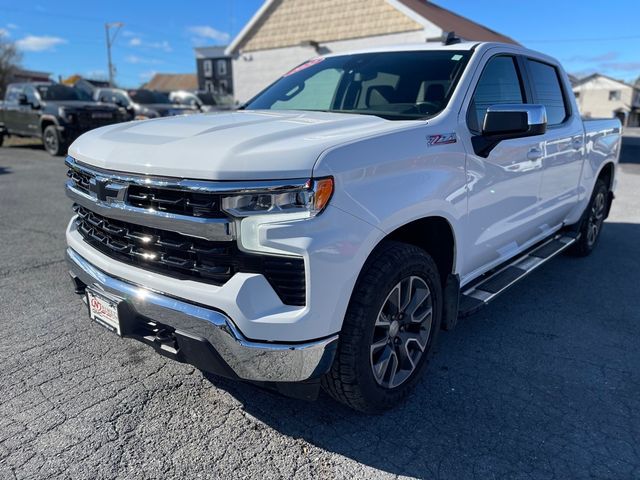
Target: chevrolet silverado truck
point(323, 235)
point(57, 114)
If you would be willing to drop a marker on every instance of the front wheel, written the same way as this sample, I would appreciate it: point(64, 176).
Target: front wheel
point(52, 140)
point(593, 220)
point(389, 330)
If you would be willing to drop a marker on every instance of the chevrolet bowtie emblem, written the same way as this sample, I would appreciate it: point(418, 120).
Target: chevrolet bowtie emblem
point(101, 189)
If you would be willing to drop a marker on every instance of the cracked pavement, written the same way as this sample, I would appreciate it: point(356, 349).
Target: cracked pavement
point(543, 383)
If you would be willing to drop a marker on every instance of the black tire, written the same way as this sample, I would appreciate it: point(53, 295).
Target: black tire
point(592, 221)
point(53, 142)
point(351, 379)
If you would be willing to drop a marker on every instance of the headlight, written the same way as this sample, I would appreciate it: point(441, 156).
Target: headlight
point(307, 201)
point(68, 117)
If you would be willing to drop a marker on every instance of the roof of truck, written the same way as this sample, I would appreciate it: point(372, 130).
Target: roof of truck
point(431, 46)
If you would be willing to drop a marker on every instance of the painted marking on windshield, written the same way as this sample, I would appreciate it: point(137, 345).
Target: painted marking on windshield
point(299, 68)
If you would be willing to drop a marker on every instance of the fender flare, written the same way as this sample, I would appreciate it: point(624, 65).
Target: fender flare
point(48, 118)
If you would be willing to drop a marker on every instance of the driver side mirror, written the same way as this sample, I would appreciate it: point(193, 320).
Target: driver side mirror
point(22, 99)
point(503, 122)
point(514, 121)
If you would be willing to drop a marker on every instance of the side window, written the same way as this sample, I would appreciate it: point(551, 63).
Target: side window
point(31, 95)
point(12, 95)
point(498, 84)
point(547, 90)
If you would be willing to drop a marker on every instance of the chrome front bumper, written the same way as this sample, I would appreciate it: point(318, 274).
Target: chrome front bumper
point(248, 360)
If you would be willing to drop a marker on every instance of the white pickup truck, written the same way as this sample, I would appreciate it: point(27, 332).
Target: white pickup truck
point(323, 234)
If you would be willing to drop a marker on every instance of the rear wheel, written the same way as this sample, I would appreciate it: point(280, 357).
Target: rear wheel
point(389, 329)
point(593, 221)
point(53, 141)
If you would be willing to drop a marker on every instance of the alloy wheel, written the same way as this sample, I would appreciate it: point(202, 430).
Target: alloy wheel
point(50, 141)
point(596, 217)
point(401, 332)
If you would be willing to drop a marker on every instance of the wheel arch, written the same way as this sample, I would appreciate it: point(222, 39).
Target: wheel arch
point(607, 173)
point(47, 120)
point(435, 235)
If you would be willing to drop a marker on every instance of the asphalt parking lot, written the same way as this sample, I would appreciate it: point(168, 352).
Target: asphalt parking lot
point(543, 383)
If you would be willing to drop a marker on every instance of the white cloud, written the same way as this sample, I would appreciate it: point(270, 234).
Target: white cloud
point(4, 32)
point(12, 26)
point(96, 74)
point(34, 43)
point(209, 33)
point(135, 60)
point(145, 76)
point(138, 42)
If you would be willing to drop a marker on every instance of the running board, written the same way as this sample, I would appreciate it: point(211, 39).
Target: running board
point(494, 283)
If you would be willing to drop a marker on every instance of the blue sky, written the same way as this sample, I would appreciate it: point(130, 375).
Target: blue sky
point(67, 36)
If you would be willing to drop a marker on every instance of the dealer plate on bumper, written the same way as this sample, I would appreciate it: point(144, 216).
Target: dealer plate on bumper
point(104, 311)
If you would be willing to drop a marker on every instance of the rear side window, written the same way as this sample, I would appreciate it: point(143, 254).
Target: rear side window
point(547, 90)
point(498, 84)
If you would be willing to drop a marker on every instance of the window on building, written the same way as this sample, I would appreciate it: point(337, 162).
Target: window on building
point(207, 68)
point(615, 95)
point(221, 66)
point(548, 91)
point(208, 86)
point(498, 84)
point(224, 87)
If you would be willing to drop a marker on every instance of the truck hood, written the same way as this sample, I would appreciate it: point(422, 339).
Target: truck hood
point(241, 145)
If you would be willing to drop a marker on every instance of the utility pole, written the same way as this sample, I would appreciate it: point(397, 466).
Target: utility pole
point(110, 40)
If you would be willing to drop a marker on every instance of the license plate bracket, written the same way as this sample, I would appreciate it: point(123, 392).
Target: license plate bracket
point(104, 311)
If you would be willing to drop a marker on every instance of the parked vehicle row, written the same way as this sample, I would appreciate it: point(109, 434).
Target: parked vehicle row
point(57, 114)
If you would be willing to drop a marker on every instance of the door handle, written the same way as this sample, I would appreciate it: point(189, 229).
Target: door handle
point(577, 143)
point(534, 154)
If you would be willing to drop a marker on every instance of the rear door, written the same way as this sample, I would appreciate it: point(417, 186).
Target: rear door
point(503, 186)
point(563, 143)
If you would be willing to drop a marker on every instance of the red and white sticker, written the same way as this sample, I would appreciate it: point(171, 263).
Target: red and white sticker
point(104, 312)
point(299, 68)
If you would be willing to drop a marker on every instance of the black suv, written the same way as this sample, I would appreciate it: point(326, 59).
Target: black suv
point(53, 112)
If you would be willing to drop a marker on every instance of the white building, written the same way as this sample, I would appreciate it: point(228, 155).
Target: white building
point(285, 33)
point(600, 96)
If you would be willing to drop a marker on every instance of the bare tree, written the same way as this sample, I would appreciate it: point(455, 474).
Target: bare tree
point(10, 59)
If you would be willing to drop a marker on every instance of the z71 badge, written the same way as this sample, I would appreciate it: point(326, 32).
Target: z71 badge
point(442, 139)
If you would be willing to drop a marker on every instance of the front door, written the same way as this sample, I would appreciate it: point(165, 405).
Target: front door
point(503, 186)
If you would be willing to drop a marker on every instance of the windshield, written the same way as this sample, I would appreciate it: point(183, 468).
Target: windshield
point(115, 96)
point(62, 92)
point(149, 96)
point(392, 85)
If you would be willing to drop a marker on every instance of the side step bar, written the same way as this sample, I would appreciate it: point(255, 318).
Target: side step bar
point(494, 283)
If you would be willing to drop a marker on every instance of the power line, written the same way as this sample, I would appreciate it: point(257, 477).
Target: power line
point(571, 40)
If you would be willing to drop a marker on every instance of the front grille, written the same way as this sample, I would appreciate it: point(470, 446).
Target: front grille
point(88, 120)
point(80, 179)
point(182, 202)
point(187, 257)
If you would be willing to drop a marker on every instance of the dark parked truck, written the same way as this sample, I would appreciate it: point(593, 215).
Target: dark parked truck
point(55, 113)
